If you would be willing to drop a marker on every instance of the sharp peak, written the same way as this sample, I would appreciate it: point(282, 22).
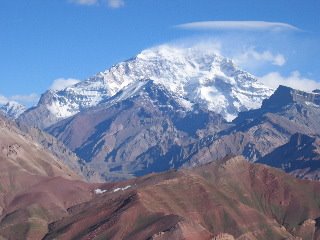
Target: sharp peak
point(284, 87)
point(142, 85)
point(283, 90)
point(170, 52)
point(292, 91)
point(141, 82)
point(285, 95)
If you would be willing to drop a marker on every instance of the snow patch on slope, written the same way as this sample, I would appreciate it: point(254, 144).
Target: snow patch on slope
point(122, 189)
point(99, 191)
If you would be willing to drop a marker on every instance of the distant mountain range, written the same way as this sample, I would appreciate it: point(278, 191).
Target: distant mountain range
point(210, 128)
point(171, 107)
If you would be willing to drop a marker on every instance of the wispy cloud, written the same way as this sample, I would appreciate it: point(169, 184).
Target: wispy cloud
point(85, 2)
point(294, 80)
point(238, 25)
point(26, 99)
point(245, 53)
point(29, 99)
point(3, 99)
point(115, 3)
point(110, 3)
point(251, 57)
point(62, 83)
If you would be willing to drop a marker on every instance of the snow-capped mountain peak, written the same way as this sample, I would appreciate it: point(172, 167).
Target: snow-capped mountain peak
point(196, 74)
point(12, 109)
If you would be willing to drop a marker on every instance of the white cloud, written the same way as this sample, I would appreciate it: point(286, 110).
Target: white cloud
point(3, 99)
point(25, 99)
point(294, 80)
point(243, 55)
point(110, 3)
point(251, 58)
point(238, 25)
point(210, 46)
point(62, 83)
point(85, 2)
point(115, 3)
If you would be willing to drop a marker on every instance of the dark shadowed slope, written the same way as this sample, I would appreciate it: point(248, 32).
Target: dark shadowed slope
point(300, 157)
point(60, 151)
point(142, 129)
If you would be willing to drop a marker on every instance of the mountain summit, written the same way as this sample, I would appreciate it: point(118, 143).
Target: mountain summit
point(12, 109)
point(196, 74)
point(144, 128)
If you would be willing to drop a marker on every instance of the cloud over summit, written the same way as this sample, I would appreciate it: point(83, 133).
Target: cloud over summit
point(238, 25)
point(62, 83)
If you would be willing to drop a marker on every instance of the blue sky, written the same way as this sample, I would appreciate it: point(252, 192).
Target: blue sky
point(45, 40)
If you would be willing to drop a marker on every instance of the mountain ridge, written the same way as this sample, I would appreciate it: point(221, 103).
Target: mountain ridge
point(138, 130)
point(258, 132)
point(145, 128)
point(226, 199)
point(193, 73)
